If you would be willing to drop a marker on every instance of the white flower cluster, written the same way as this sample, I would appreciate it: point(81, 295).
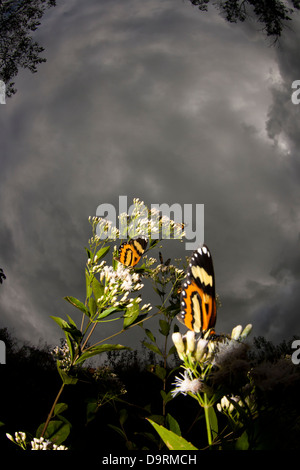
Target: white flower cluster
point(36, 444)
point(119, 284)
point(226, 406)
point(45, 444)
point(140, 221)
point(164, 274)
point(188, 347)
point(62, 354)
point(204, 352)
point(20, 439)
point(120, 279)
point(104, 229)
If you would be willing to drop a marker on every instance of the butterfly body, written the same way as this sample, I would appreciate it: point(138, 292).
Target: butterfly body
point(197, 298)
point(130, 252)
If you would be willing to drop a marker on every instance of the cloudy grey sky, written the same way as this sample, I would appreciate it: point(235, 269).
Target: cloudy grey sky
point(159, 101)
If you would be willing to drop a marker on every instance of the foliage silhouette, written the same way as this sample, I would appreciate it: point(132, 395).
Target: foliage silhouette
point(272, 14)
point(18, 18)
point(2, 276)
point(29, 381)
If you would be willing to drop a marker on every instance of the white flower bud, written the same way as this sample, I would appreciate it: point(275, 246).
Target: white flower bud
point(236, 332)
point(246, 332)
point(179, 344)
point(190, 342)
point(201, 349)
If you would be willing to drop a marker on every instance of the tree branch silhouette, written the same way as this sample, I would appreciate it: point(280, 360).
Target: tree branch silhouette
point(2, 276)
point(18, 18)
point(272, 14)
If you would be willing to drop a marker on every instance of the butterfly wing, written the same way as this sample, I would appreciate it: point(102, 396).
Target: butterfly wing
point(197, 298)
point(130, 252)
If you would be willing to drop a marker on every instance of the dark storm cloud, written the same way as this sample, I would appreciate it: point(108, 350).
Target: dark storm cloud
point(155, 101)
point(283, 128)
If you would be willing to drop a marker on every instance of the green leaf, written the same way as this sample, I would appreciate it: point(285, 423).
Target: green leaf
point(102, 252)
point(150, 335)
point(164, 327)
point(160, 372)
point(172, 350)
point(242, 442)
point(70, 346)
point(153, 348)
point(67, 379)
point(75, 334)
point(57, 431)
point(62, 323)
point(158, 419)
point(91, 409)
point(173, 425)
point(71, 321)
point(153, 242)
point(139, 319)
point(172, 440)
point(123, 416)
point(166, 396)
point(97, 287)
point(77, 304)
point(70, 331)
point(88, 281)
point(92, 306)
point(94, 350)
point(131, 314)
point(118, 430)
point(107, 312)
point(115, 262)
point(213, 420)
point(60, 408)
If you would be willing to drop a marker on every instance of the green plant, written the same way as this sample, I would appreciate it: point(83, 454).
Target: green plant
point(201, 358)
point(166, 279)
point(111, 295)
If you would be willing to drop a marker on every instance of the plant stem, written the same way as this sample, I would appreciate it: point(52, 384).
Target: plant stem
point(206, 413)
point(121, 331)
point(52, 409)
point(88, 336)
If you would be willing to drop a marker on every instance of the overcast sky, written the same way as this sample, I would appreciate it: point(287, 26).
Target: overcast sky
point(160, 101)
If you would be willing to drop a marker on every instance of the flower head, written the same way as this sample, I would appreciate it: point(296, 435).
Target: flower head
point(45, 444)
point(187, 384)
point(19, 439)
point(225, 405)
point(188, 347)
point(62, 354)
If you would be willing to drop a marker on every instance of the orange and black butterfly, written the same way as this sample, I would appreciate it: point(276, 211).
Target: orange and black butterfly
point(130, 252)
point(198, 297)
